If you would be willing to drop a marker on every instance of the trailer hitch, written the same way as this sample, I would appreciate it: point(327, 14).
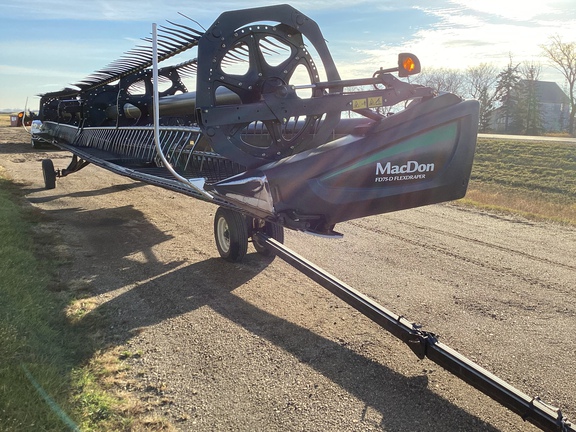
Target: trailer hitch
point(420, 340)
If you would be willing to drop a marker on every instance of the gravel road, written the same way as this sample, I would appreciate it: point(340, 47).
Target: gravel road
point(258, 346)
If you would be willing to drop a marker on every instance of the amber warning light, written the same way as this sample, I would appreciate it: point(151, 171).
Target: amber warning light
point(408, 64)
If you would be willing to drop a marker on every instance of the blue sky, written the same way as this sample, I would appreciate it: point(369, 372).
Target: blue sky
point(49, 44)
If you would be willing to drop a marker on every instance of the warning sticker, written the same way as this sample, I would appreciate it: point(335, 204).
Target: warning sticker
point(374, 102)
point(359, 104)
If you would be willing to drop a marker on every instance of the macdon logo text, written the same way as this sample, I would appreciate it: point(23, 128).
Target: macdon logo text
point(412, 170)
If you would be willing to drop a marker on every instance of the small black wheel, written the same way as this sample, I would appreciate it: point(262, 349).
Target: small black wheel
point(231, 234)
point(271, 230)
point(49, 174)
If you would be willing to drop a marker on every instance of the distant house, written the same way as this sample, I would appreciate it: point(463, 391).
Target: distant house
point(554, 109)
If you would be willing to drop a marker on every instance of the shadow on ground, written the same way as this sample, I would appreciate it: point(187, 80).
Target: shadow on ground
point(163, 290)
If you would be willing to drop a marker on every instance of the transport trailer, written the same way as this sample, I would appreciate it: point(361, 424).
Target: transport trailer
point(265, 138)
point(426, 345)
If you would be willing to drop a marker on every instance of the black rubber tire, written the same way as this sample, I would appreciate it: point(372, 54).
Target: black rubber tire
point(49, 174)
point(271, 230)
point(231, 234)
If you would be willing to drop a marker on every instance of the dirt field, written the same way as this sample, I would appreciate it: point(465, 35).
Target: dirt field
point(257, 346)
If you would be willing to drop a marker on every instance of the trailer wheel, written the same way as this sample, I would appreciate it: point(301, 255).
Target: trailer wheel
point(49, 174)
point(271, 230)
point(231, 234)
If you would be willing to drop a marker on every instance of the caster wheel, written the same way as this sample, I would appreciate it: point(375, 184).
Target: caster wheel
point(49, 174)
point(231, 234)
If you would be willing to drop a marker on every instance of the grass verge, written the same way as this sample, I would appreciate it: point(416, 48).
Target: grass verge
point(53, 367)
point(32, 330)
point(534, 179)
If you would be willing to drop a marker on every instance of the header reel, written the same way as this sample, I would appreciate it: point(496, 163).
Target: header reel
point(273, 57)
point(279, 58)
point(266, 86)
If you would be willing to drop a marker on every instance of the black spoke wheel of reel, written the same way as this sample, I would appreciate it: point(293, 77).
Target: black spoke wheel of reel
point(231, 234)
point(270, 229)
point(49, 173)
point(270, 58)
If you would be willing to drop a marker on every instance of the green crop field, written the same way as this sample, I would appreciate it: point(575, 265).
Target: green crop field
point(534, 178)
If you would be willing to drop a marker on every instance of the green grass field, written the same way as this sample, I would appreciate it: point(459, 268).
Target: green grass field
point(534, 179)
point(35, 339)
point(541, 167)
point(51, 362)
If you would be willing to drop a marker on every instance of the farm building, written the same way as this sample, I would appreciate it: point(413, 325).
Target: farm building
point(553, 106)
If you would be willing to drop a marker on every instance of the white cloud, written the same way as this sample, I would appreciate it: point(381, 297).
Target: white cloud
point(465, 36)
point(517, 10)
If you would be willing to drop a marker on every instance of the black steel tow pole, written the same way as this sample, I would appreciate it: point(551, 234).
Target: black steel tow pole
point(425, 344)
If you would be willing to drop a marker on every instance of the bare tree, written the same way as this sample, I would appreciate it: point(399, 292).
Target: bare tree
point(480, 84)
point(530, 71)
point(442, 80)
point(563, 57)
point(478, 78)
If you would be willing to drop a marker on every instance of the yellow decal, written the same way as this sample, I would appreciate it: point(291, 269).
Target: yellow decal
point(359, 104)
point(374, 102)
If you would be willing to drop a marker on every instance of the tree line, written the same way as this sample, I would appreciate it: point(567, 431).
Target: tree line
point(512, 90)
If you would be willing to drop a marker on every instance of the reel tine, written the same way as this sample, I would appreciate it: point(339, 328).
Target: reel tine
point(240, 47)
point(138, 49)
point(173, 40)
point(138, 58)
point(268, 41)
point(182, 35)
point(131, 62)
point(164, 45)
point(192, 30)
point(188, 70)
point(233, 58)
point(176, 41)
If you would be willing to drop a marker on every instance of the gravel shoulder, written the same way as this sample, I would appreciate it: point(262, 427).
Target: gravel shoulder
point(258, 346)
